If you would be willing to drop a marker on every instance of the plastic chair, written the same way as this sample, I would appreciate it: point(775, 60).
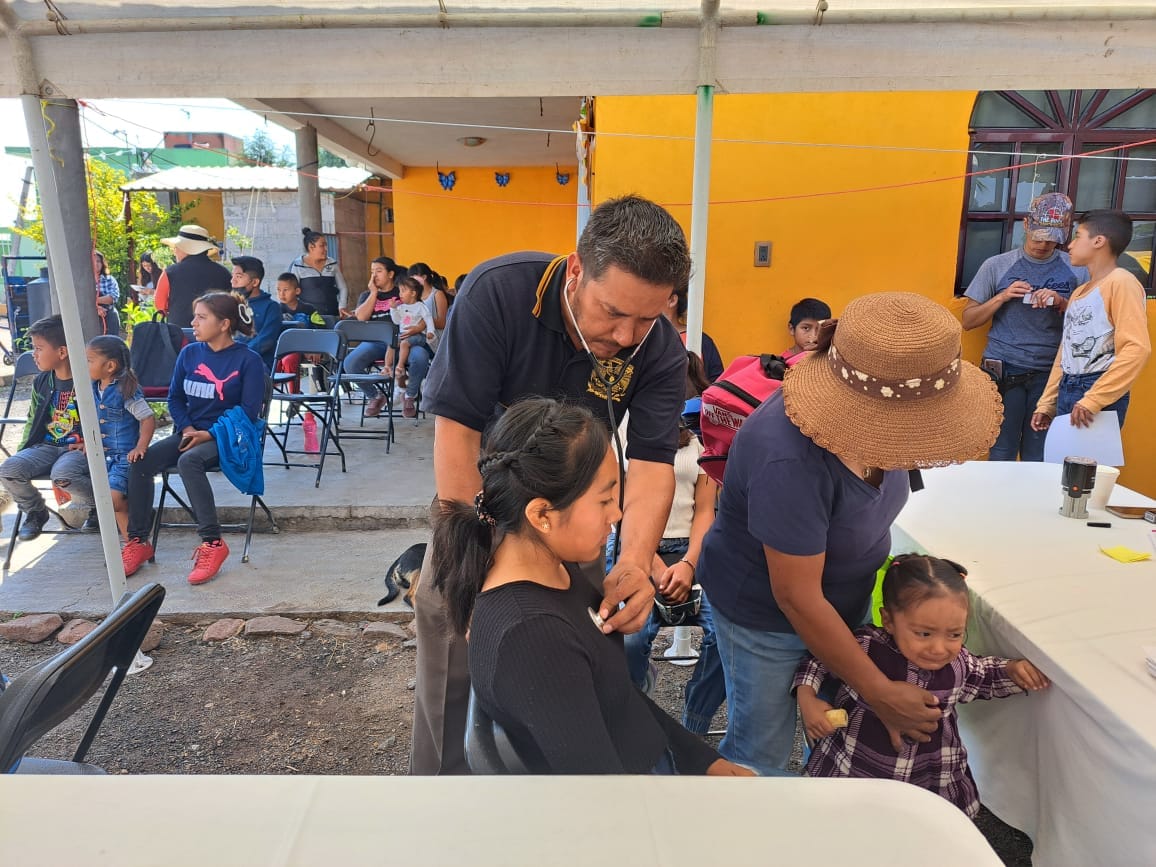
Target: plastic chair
point(255, 500)
point(488, 747)
point(42, 697)
point(378, 331)
point(25, 367)
point(330, 346)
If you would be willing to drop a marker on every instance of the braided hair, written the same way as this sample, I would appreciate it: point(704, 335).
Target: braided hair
point(914, 578)
point(540, 448)
point(114, 349)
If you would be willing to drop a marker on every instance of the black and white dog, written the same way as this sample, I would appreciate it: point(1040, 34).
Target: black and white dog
point(404, 572)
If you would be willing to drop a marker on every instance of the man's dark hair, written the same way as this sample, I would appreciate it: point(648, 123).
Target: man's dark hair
point(1116, 226)
point(809, 308)
point(638, 236)
point(288, 277)
point(50, 329)
point(251, 265)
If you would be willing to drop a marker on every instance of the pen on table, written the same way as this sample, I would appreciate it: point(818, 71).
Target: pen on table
point(1102, 524)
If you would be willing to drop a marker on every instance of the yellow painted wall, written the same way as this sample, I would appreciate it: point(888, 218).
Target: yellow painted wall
point(208, 212)
point(834, 247)
point(454, 230)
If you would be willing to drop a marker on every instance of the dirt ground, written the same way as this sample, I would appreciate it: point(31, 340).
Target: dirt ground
point(289, 706)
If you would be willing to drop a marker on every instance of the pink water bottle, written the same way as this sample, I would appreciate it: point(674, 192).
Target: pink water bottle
point(309, 428)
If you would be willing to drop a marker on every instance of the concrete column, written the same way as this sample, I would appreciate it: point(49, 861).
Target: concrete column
point(308, 191)
point(58, 162)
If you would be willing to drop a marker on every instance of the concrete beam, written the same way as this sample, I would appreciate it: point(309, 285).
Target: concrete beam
point(368, 63)
point(332, 135)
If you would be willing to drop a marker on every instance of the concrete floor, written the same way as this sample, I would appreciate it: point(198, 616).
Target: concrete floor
point(329, 559)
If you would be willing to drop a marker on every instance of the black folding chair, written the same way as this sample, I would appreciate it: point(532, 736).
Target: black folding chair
point(329, 347)
point(254, 500)
point(488, 747)
point(42, 697)
point(24, 368)
point(379, 331)
point(65, 529)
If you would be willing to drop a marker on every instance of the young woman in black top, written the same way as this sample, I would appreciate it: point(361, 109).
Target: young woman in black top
point(540, 663)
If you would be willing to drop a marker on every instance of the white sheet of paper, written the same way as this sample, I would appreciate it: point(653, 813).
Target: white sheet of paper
point(1099, 441)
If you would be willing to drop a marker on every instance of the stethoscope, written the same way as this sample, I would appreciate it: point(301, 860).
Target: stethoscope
point(609, 382)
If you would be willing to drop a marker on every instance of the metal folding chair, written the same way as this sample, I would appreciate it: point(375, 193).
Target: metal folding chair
point(24, 368)
point(42, 697)
point(379, 331)
point(329, 346)
point(254, 500)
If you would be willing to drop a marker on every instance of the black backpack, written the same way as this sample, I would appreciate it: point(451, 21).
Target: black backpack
point(155, 346)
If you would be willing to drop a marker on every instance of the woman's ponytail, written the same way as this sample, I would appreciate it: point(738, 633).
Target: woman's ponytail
point(463, 545)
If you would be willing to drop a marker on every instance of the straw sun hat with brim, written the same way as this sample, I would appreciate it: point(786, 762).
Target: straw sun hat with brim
point(191, 240)
point(890, 389)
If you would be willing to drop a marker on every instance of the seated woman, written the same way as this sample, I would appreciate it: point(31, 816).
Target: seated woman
point(211, 376)
point(540, 664)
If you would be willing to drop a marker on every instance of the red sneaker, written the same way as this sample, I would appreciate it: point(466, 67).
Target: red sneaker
point(208, 557)
point(135, 553)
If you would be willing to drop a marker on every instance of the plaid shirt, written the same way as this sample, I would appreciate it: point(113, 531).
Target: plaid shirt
point(863, 748)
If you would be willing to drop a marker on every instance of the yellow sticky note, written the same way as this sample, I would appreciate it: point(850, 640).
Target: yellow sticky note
point(1125, 555)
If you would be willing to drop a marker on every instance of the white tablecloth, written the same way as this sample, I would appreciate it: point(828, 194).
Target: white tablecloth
point(126, 821)
point(1074, 766)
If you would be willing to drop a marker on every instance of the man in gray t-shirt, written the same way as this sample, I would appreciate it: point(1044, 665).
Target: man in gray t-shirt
point(1023, 294)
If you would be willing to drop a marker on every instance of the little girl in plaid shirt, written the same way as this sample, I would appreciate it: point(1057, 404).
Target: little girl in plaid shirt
point(924, 616)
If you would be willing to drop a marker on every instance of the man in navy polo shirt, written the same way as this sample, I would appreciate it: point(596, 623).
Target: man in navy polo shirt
point(587, 328)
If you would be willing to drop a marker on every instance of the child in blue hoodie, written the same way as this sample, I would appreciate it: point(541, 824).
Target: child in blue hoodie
point(211, 376)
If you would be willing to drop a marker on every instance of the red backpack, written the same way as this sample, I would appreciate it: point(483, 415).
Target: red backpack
point(742, 388)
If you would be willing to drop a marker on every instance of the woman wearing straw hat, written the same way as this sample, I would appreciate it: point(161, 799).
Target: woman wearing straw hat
point(814, 480)
point(192, 275)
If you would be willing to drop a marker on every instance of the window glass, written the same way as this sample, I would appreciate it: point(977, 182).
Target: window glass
point(992, 110)
point(990, 192)
point(1036, 180)
point(1112, 99)
point(982, 241)
point(1038, 98)
point(1140, 180)
point(1138, 257)
point(1142, 116)
point(1097, 180)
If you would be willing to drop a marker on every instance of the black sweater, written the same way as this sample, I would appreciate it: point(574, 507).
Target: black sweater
point(561, 690)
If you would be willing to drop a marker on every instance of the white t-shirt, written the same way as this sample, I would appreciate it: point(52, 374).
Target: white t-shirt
point(686, 473)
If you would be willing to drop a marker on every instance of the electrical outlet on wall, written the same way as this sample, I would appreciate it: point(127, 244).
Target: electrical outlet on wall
point(762, 254)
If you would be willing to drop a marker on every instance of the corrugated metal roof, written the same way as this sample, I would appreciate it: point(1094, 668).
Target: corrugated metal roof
point(330, 179)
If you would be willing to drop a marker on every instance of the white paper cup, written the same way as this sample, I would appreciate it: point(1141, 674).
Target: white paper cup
point(1102, 490)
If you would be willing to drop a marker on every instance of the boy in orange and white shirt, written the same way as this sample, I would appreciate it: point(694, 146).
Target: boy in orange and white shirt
point(1105, 343)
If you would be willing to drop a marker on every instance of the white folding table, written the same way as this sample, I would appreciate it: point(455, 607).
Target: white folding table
point(1075, 765)
point(131, 821)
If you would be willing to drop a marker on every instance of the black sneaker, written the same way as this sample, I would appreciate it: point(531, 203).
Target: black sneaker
point(33, 525)
point(91, 524)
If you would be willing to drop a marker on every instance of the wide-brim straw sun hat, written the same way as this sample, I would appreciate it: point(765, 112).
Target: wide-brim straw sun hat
point(891, 390)
point(191, 240)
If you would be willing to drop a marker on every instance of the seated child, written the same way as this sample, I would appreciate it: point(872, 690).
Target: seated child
point(52, 444)
point(127, 422)
point(804, 325)
point(925, 607)
point(293, 309)
point(413, 318)
point(540, 663)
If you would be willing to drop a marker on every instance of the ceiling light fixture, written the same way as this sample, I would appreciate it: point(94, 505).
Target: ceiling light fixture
point(472, 141)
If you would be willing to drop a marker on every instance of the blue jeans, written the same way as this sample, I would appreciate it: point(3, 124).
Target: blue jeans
point(68, 469)
point(706, 690)
point(417, 368)
point(1072, 388)
point(360, 359)
point(759, 668)
point(1016, 437)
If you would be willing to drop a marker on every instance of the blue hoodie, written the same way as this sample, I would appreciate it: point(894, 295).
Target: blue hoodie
point(267, 324)
point(206, 383)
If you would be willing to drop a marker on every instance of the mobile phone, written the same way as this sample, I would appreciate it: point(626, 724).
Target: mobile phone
point(186, 441)
point(1133, 512)
point(993, 367)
